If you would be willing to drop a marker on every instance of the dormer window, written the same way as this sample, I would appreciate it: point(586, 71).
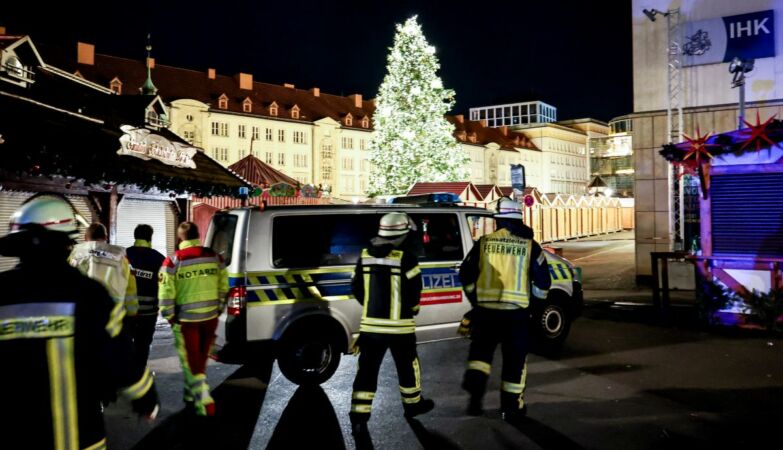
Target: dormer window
point(247, 105)
point(461, 135)
point(348, 120)
point(472, 137)
point(273, 109)
point(116, 85)
point(365, 122)
point(295, 112)
point(223, 102)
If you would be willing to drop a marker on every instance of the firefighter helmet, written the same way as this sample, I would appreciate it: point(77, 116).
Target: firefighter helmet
point(394, 224)
point(50, 211)
point(508, 209)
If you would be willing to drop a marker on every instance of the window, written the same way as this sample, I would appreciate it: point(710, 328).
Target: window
point(445, 239)
point(338, 242)
point(220, 153)
point(254, 136)
point(300, 137)
point(242, 153)
point(281, 159)
point(362, 144)
point(300, 160)
point(224, 129)
point(247, 105)
point(365, 165)
point(347, 182)
point(241, 131)
point(215, 128)
point(273, 109)
point(362, 185)
point(348, 121)
point(347, 143)
point(347, 163)
point(268, 158)
point(268, 134)
point(223, 226)
point(295, 112)
point(365, 122)
point(281, 135)
point(223, 102)
point(116, 86)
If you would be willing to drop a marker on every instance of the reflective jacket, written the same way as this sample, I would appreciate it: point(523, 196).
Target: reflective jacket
point(387, 282)
point(108, 265)
point(504, 268)
point(62, 352)
point(193, 284)
point(145, 263)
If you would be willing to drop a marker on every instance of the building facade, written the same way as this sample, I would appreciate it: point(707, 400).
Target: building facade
point(513, 114)
point(709, 104)
point(611, 158)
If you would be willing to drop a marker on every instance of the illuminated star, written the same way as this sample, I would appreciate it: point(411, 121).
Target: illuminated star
point(699, 147)
point(757, 133)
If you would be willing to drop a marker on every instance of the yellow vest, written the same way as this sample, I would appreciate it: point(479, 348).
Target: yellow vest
point(504, 266)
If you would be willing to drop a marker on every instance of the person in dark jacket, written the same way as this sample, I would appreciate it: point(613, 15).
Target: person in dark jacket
point(500, 275)
point(60, 339)
point(387, 282)
point(145, 263)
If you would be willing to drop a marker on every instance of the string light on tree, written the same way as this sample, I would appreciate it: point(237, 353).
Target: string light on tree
point(413, 141)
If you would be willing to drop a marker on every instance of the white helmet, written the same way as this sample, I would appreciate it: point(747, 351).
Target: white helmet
point(508, 209)
point(394, 224)
point(51, 211)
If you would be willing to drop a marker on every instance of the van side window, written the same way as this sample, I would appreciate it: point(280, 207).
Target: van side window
point(480, 226)
point(223, 226)
point(301, 241)
point(437, 237)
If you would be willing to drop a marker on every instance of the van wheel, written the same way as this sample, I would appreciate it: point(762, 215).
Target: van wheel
point(550, 326)
point(308, 356)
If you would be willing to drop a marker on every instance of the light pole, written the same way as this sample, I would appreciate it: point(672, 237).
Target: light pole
point(739, 67)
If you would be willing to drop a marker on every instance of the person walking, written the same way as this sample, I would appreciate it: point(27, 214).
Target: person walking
point(387, 282)
point(60, 340)
point(500, 275)
point(145, 263)
point(192, 294)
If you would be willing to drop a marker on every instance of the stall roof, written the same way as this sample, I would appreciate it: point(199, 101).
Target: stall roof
point(257, 172)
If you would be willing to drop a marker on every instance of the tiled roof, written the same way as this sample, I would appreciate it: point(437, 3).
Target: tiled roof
point(485, 189)
point(257, 172)
point(507, 190)
point(454, 188)
point(463, 129)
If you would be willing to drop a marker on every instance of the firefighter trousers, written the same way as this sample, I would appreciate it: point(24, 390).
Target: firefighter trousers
point(372, 348)
point(510, 329)
point(141, 329)
point(193, 341)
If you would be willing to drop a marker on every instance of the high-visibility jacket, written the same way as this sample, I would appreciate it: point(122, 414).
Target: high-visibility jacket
point(387, 282)
point(63, 352)
point(145, 263)
point(108, 265)
point(193, 284)
point(503, 270)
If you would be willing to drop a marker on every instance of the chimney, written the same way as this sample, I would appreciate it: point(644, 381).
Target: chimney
point(483, 122)
point(288, 85)
point(211, 73)
point(245, 81)
point(2, 31)
point(357, 100)
point(460, 118)
point(151, 63)
point(316, 91)
point(504, 130)
point(85, 53)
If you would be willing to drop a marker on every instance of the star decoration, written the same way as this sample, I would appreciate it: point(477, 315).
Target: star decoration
point(699, 147)
point(689, 167)
point(757, 133)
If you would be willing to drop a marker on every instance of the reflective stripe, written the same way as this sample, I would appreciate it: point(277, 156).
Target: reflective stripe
point(409, 401)
point(140, 388)
point(131, 305)
point(396, 300)
point(199, 305)
point(541, 258)
point(389, 322)
point(146, 300)
point(386, 330)
point(381, 262)
point(36, 309)
point(366, 293)
point(413, 272)
point(410, 390)
point(362, 409)
point(201, 260)
point(540, 293)
point(62, 383)
point(470, 287)
point(166, 302)
point(188, 316)
point(100, 445)
point(417, 372)
point(416, 308)
point(360, 395)
point(114, 325)
point(523, 381)
point(505, 306)
point(169, 270)
point(514, 388)
point(481, 366)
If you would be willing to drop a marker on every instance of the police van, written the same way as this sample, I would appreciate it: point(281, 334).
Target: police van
point(290, 269)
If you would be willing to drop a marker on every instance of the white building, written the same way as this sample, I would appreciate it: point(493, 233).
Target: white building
point(513, 114)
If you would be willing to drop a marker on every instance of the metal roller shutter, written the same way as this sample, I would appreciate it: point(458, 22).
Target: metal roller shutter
point(132, 212)
point(171, 229)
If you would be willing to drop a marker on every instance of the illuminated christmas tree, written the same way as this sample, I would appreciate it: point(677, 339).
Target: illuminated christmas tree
point(413, 141)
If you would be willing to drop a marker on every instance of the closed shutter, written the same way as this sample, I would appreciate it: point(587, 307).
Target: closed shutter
point(132, 212)
point(747, 214)
point(171, 229)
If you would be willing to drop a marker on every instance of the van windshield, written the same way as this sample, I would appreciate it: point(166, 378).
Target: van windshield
point(223, 227)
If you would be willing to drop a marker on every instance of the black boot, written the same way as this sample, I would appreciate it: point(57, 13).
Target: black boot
point(474, 406)
point(425, 405)
point(515, 416)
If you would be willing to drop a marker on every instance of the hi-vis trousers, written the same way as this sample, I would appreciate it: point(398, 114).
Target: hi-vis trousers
point(372, 348)
point(193, 341)
point(510, 328)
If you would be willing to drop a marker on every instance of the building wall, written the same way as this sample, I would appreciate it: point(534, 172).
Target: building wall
point(565, 165)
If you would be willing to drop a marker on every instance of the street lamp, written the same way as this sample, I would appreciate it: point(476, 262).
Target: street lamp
point(651, 13)
point(739, 67)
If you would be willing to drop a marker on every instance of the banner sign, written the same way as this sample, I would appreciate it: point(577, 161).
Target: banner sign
point(722, 39)
point(518, 178)
point(142, 143)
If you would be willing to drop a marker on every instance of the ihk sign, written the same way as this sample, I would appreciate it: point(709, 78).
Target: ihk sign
point(719, 40)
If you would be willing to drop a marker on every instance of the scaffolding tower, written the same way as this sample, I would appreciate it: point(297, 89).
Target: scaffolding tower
point(675, 124)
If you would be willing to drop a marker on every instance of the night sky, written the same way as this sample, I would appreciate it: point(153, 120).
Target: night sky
point(575, 55)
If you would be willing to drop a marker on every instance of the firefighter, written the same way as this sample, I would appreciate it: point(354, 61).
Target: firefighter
point(107, 264)
point(387, 282)
point(60, 339)
point(501, 273)
point(193, 284)
point(145, 262)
